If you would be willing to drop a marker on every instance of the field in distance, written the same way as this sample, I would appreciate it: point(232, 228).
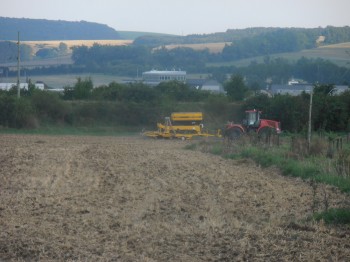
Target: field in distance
point(338, 54)
point(61, 59)
point(36, 45)
point(213, 48)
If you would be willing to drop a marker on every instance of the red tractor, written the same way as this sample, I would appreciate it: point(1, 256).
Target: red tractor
point(252, 123)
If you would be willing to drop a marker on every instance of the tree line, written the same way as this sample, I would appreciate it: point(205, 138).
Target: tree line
point(126, 60)
point(136, 105)
point(299, 36)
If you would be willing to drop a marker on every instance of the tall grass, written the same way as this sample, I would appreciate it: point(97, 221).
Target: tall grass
point(305, 169)
point(315, 166)
point(334, 216)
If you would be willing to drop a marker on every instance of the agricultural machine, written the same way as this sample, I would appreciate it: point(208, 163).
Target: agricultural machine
point(184, 125)
point(252, 124)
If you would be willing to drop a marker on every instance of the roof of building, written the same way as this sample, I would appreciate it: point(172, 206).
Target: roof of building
point(172, 72)
point(297, 89)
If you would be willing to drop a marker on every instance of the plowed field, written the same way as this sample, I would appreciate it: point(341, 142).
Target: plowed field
point(80, 198)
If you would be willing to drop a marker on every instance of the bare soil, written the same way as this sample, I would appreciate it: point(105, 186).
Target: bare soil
point(80, 198)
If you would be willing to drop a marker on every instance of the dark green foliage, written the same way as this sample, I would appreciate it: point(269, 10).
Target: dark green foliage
point(9, 52)
point(82, 90)
point(180, 91)
point(112, 92)
point(181, 57)
point(329, 113)
point(138, 93)
point(7, 104)
point(321, 71)
point(235, 88)
point(46, 52)
point(283, 40)
point(290, 38)
point(138, 104)
point(279, 41)
point(24, 114)
point(41, 29)
point(334, 216)
point(49, 107)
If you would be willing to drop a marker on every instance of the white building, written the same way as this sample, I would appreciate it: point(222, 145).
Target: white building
point(8, 86)
point(213, 86)
point(154, 77)
point(297, 89)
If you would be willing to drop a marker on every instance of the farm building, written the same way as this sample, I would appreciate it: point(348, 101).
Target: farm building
point(210, 85)
point(8, 86)
point(213, 86)
point(297, 89)
point(154, 77)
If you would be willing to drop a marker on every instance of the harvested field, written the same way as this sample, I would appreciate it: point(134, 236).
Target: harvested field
point(36, 45)
point(212, 47)
point(81, 198)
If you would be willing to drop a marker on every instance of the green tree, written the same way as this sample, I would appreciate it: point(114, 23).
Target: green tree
point(46, 52)
point(63, 48)
point(48, 106)
point(83, 88)
point(236, 88)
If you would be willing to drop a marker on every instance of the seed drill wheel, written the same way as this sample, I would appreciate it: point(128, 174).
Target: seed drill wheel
point(234, 133)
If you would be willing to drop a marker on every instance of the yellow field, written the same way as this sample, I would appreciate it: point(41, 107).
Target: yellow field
point(212, 47)
point(36, 45)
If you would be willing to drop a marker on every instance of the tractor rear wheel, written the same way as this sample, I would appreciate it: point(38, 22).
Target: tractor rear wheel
point(233, 133)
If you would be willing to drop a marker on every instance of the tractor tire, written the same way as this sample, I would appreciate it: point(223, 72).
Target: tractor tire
point(233, 133)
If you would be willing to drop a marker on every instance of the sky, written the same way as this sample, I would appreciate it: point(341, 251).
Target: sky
point(184, 17)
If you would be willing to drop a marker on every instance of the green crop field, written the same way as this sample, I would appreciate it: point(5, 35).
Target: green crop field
point(337, 53)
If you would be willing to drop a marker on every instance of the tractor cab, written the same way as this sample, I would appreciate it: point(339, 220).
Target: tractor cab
point(252, 119)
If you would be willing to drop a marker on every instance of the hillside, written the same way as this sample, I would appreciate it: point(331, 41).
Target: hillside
point(44, 30)
point(338, 54)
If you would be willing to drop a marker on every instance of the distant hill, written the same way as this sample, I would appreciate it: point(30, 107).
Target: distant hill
point(315, 36)
point(45, 30)
point(132, 35)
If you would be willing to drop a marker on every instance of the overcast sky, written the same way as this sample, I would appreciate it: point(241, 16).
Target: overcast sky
point(183, 17)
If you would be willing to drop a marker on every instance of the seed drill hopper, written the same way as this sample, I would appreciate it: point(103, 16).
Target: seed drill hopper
point(183, 125)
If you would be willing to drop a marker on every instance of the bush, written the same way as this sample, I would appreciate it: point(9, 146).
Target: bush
point(24, 114)
point(49, 107)
point(7, 104)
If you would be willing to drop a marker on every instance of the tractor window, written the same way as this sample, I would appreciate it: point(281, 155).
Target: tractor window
point(251, 116)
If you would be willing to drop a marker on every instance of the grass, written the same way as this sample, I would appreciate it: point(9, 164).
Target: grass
point(334, 216)
point(309, 168)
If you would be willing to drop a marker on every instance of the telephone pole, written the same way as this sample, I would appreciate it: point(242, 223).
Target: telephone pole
point(18, 70)
point(310, 120)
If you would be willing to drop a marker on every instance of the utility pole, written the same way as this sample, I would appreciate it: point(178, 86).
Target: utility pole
point(310, 117)
point(18, 70)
